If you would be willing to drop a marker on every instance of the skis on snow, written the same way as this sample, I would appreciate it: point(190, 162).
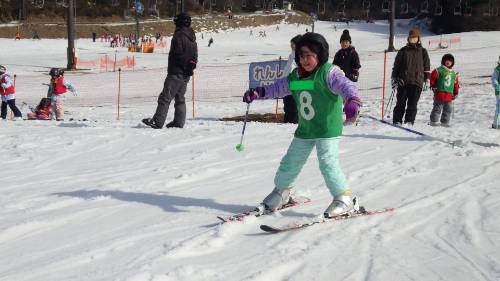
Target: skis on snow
point(239, 217)
point(362, 212)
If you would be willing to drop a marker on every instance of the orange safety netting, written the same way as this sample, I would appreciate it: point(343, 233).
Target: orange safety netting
point(445, 42)
point(106, 63)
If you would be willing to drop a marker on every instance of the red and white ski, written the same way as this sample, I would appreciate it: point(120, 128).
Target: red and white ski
point(239, 217)
point(362, 212)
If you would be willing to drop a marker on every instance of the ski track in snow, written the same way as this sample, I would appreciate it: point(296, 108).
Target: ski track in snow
point(112, 200)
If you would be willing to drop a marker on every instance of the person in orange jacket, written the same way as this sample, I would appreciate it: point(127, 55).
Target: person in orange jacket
point(445, 85)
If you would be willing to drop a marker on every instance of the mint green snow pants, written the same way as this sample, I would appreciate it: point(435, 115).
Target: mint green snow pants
point(328, 158)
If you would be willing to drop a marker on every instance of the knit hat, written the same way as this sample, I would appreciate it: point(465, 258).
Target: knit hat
point(316, 43)
point(182, 19)
point(345, 36)
point(414, 32)
point(450, 58)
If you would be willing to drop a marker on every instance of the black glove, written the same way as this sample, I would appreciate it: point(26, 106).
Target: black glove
point(354, 76)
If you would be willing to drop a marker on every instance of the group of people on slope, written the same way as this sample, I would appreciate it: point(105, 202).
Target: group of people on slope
point(323, 93)
point(49, 108)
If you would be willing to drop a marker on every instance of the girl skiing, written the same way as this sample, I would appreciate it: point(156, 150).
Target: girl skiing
point(319, 89)
point(58, 88)
point(7, 91)
point(445, 85)
point(495, 82)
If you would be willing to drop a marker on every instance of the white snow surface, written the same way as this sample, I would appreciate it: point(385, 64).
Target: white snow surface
point(110, 200)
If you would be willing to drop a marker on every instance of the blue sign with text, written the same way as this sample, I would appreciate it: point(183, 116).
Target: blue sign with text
point(265, 72)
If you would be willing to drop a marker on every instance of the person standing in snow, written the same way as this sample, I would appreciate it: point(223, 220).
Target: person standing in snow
point(182, 60)
point(7, 91)
point(410, 74)
point(289, 105)
point(319, 88)
point(347, 58)
point(445, 85)
point(495, 81)
point(57, 91)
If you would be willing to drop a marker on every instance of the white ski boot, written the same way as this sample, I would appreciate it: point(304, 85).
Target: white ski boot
point(342, 205)
point(274, 201)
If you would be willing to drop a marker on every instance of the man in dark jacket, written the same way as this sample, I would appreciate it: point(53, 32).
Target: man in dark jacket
point(347, 58)
point(410, 71)
point(182, 60)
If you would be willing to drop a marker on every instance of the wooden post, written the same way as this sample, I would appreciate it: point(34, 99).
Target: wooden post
point(118, 95)
point(277, 99)
point(383, 83)
point(114, 63)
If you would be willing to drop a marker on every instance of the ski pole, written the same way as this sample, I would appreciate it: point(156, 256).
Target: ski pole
point(389, 102)
point(240, 147)
point(458, 143)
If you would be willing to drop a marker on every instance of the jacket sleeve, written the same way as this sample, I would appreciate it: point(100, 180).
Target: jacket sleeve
point(7, 81)
point(339, 84)
point(494, 80)
point(69, 85)
point(397, 64)
point(279, 89)
point(336, 58)
point(427, 64)
point(355, 66)
point(355, 61)
point(456, 89)
point(434, 78)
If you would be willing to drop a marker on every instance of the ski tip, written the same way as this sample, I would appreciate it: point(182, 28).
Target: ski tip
point(269, 229)
point(222, 219)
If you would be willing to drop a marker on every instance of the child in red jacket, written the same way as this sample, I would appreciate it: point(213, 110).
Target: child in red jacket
point(42, 112)
point(445, 85)
point(57, 91)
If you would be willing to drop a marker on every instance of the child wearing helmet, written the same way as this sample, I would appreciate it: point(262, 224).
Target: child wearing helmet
point(445, 85)
point(57, 91)
point(7, 91)
point(319, 89)
point(495, 82)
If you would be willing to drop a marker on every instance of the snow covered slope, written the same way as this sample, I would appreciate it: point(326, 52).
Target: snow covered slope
point(110, 200)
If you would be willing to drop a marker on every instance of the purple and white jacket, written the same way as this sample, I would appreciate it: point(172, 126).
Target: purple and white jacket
point(335, 79)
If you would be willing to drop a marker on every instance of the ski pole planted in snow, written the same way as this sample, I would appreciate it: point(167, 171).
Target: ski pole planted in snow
point(458, 143)
point(240, 147)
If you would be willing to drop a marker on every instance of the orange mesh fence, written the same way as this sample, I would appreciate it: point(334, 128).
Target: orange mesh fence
point(445, 42)
point(105, 63)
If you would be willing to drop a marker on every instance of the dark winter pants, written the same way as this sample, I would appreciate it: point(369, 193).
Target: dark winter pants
point(174, 88)
point(441, 110)
point(13, 107)
point(290, 110)
point(406, 104)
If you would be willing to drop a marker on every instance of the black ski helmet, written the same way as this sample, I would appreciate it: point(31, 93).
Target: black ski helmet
point(182, 19)
point(448, 57)
point(56, 72)
point(316, 43)
point(2, 69)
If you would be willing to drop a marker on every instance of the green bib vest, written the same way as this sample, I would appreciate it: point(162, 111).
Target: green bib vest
point(320, 111)
point(446, 80)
